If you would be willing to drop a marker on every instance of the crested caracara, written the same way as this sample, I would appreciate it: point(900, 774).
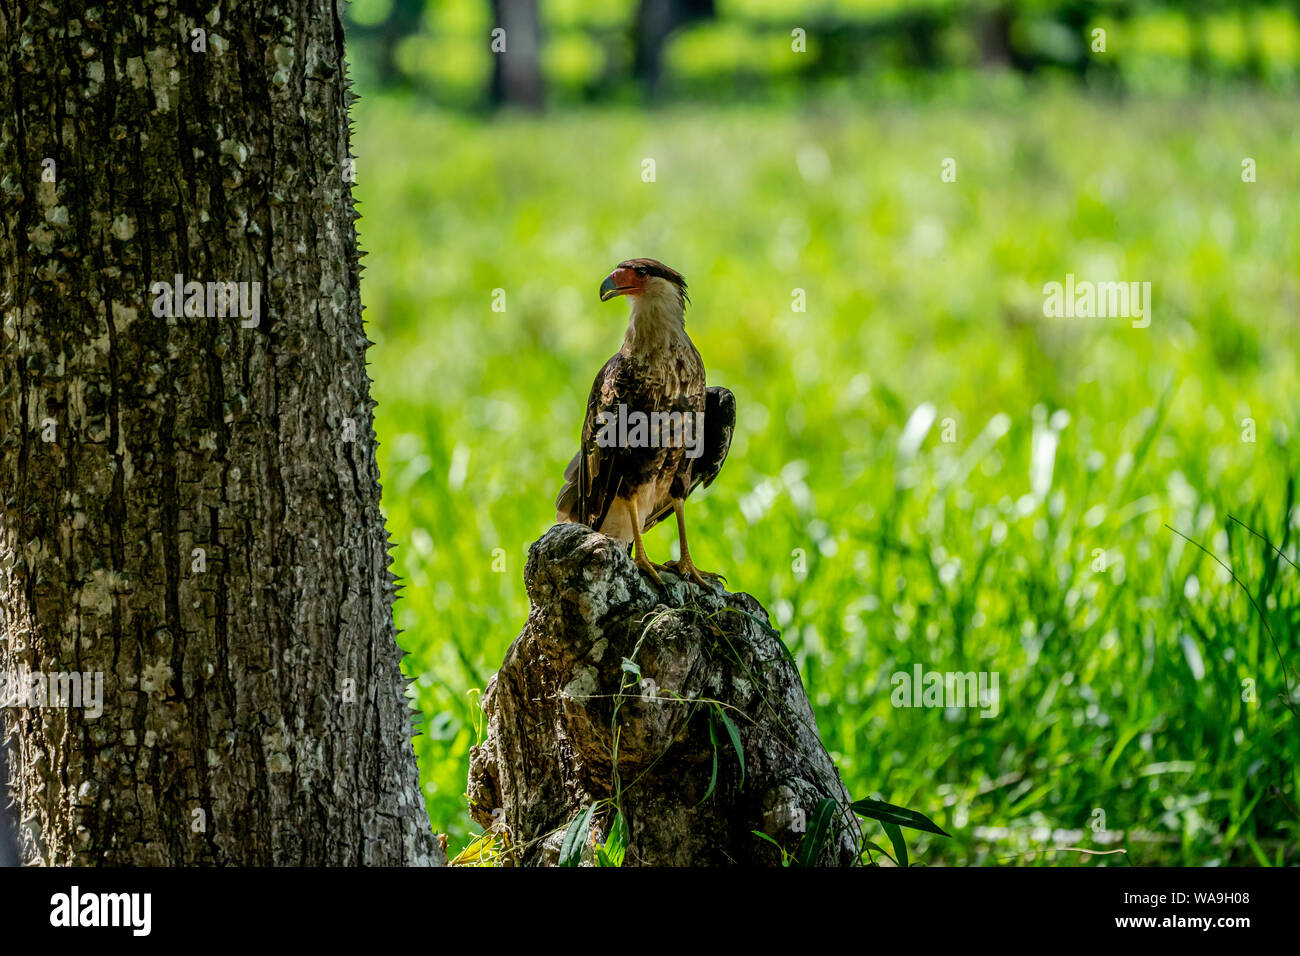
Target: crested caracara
point(653, 432)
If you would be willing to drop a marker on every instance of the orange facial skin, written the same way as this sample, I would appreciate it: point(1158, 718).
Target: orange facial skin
point(622, 281)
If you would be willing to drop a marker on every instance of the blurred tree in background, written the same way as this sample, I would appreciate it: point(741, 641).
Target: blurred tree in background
point(656, 21)
point(517, 48)
point(558, 51)
point(383, 30)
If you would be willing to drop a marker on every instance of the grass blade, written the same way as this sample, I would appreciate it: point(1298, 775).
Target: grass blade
point(734, 733)
point(900, 816)
point(819, 832)
point(575, 838)
point(900, 845)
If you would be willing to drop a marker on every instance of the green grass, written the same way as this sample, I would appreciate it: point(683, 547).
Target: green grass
point(1121, 690)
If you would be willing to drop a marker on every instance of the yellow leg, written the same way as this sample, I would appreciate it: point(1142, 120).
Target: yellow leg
point(685, 566)
point(639, 557)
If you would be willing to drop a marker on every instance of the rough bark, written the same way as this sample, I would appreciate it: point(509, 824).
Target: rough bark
point(549, 746)
point(8, 831)
point(189, 505)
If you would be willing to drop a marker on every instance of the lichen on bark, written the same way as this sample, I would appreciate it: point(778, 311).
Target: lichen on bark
point(615, 692)
point(189, 504)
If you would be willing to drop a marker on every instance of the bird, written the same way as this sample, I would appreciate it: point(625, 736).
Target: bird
point(653, 431)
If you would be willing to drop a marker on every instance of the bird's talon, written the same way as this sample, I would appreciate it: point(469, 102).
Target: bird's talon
point(647, 568)
point(704, 579)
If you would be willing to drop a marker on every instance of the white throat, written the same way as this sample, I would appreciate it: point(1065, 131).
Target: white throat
point(658, 319)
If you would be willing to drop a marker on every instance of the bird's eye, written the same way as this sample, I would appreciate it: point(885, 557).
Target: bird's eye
point(640, 270)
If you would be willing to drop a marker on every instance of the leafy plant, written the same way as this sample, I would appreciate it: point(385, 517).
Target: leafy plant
point(892, 819)
point(575, 837)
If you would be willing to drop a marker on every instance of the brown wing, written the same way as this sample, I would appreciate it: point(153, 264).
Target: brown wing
point(592, 478)
point(719, 424)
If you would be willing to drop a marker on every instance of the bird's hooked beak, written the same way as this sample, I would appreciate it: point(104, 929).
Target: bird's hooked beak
point(618, 282)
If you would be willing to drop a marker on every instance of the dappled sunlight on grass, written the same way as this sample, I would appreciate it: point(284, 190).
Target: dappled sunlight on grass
point(926, 470)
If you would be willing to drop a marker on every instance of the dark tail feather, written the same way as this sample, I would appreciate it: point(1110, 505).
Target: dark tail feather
point(567, 502)
point(719, 423)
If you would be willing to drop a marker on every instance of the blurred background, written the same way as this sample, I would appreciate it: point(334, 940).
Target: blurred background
point(628, 52)
point(867, 198)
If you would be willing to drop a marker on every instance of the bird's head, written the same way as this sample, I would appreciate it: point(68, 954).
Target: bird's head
point(645, 279)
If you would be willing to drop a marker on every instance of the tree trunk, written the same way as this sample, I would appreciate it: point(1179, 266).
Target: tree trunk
point(655, 22)
point(993, 36)
point(675, 673)
point(403, 20)
point(195, 605)
point(516, 45)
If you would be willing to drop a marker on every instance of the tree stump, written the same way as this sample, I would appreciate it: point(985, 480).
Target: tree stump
point(642, 700)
